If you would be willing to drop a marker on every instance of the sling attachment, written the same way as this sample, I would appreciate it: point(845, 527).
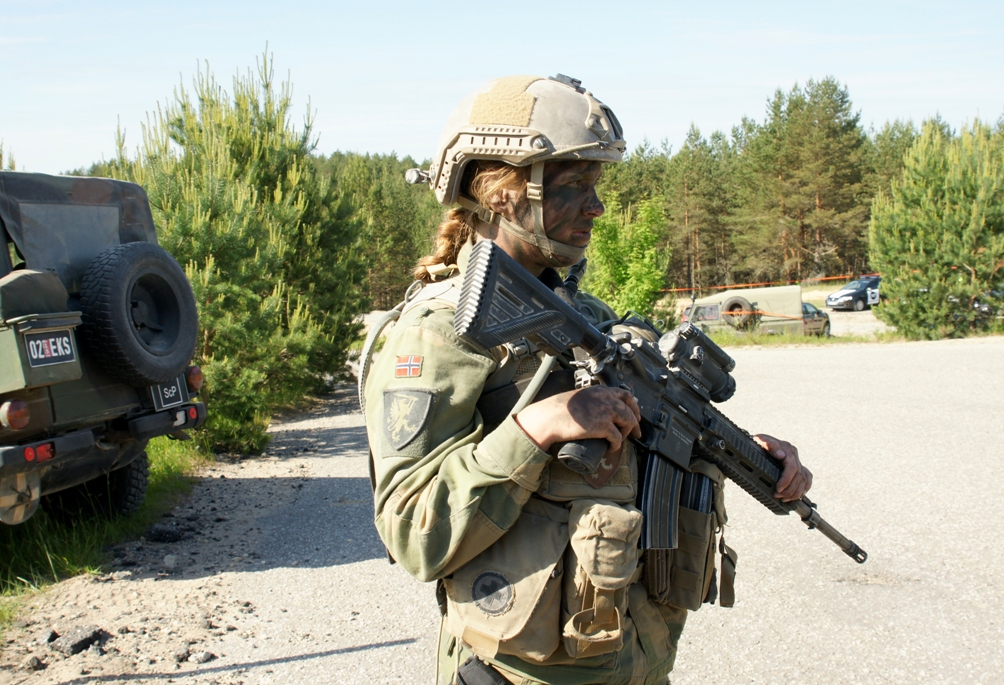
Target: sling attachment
point(598, 628)
point(727, 596)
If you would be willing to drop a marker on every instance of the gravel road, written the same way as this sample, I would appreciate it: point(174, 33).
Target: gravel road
point(278, 576)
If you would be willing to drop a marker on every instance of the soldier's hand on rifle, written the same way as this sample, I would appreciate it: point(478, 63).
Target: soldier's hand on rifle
point(594, 412)
point(795, 480)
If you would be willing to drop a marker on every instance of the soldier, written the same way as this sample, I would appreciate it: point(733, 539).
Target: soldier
point(539, 575)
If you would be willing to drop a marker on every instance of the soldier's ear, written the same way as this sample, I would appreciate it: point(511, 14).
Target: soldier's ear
point(503, 202)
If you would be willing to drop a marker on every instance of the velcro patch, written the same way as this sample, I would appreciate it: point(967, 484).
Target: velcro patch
point(404, 415)
point(506, 104)
point(408, 366)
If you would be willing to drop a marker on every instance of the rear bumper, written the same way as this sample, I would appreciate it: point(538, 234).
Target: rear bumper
point(79, 448)
point(63, 449)
point(168, 421)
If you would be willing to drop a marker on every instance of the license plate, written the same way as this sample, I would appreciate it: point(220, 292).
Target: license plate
point(51, 347)
point(168, 395)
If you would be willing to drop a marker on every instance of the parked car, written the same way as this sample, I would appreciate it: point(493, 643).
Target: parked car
point(814, 321)
point(859, 294)
point(98, 327)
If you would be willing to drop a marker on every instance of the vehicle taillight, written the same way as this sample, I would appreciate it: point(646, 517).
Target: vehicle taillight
point(14, 414)
point(193, 413)
point(44, 451)
point(193, 374)
point(29, 454)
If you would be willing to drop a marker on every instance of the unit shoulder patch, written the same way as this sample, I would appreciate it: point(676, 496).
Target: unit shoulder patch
point(404, 415)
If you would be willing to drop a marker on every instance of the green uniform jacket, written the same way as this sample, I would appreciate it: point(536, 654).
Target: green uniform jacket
point(445, 492)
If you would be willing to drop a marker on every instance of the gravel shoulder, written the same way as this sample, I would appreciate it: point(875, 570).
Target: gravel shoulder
point(278, 574)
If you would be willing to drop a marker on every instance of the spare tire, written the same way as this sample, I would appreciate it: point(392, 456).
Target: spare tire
point(139, 316)
point(737, 311)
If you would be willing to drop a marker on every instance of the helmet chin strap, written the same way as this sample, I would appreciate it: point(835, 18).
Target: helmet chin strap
point(557, 254)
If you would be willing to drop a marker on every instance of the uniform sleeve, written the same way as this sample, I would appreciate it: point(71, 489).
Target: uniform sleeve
point(444, 492)
point(594, 309)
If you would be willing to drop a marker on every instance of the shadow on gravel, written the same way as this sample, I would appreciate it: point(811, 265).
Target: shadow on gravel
point(174, 675)
point(300, 511)
point(253, 525)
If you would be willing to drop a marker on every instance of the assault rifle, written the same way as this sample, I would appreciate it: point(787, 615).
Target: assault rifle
point(674, 383)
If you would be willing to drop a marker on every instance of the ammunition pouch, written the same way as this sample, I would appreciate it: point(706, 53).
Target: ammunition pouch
point(685, 577)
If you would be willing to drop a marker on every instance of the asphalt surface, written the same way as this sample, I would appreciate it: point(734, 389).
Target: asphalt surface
point(902, 439)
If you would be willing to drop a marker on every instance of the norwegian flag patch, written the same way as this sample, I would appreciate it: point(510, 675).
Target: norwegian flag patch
point(409, 366)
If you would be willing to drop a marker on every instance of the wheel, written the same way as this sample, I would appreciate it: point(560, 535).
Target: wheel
point(118, 493)
point(737, 311)
point(139, 316)
point(859, 305)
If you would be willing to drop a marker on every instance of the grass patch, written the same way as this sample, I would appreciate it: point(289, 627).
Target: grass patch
point(44, 550)
point(731, 338)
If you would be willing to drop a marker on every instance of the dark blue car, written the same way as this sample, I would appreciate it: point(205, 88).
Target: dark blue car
point(859, 294)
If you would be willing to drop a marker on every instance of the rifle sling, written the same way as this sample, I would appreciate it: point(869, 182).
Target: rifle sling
point(496, 405)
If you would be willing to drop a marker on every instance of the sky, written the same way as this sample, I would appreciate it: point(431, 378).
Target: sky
point(382, 77)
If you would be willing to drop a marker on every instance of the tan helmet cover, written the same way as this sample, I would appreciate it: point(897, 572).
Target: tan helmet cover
point(525, 121)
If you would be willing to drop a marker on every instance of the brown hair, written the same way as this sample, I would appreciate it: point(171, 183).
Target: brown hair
point(482, 181)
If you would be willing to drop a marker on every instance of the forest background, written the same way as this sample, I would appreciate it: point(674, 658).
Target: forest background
point(286, 248)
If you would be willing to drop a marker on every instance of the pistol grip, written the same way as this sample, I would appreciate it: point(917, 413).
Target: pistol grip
point(584, 456)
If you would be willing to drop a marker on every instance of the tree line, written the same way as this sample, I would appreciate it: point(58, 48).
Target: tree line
point(782, 199)
point(285, 248)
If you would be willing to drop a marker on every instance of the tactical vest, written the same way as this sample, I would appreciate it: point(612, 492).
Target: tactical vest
point(567, 586)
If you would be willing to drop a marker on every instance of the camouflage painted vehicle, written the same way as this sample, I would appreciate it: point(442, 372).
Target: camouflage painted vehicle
point(98, 326)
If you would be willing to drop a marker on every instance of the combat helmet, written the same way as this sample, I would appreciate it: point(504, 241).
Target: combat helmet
point(523, 121)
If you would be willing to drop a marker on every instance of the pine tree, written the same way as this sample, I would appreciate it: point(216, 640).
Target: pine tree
point(938, 236)
point(699, 197)
point(626, 267)
point(397, 222)
point(803, 207)
point(264, 240)
point(886, 151)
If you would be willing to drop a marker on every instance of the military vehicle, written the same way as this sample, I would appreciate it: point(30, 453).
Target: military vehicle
point(772, 310)
point(98, 326)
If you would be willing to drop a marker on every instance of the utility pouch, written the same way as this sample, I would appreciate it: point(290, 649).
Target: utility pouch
point(507, 600)
point(600, 564)
point(685, 577)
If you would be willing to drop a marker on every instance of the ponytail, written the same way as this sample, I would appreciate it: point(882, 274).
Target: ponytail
point(482, 181)
point(456, 229)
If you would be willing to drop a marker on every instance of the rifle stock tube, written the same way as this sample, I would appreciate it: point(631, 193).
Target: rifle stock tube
point(500, 301)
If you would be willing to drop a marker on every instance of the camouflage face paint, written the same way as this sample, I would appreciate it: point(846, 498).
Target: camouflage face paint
point(570, 201)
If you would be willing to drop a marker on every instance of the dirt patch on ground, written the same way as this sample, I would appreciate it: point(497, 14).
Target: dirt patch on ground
point(172, 606)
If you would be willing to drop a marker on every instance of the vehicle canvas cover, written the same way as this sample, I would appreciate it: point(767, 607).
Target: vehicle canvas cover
point(780, 307)
point(60, 223)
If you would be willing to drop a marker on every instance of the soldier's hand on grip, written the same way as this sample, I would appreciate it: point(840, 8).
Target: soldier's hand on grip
point(595, 412)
